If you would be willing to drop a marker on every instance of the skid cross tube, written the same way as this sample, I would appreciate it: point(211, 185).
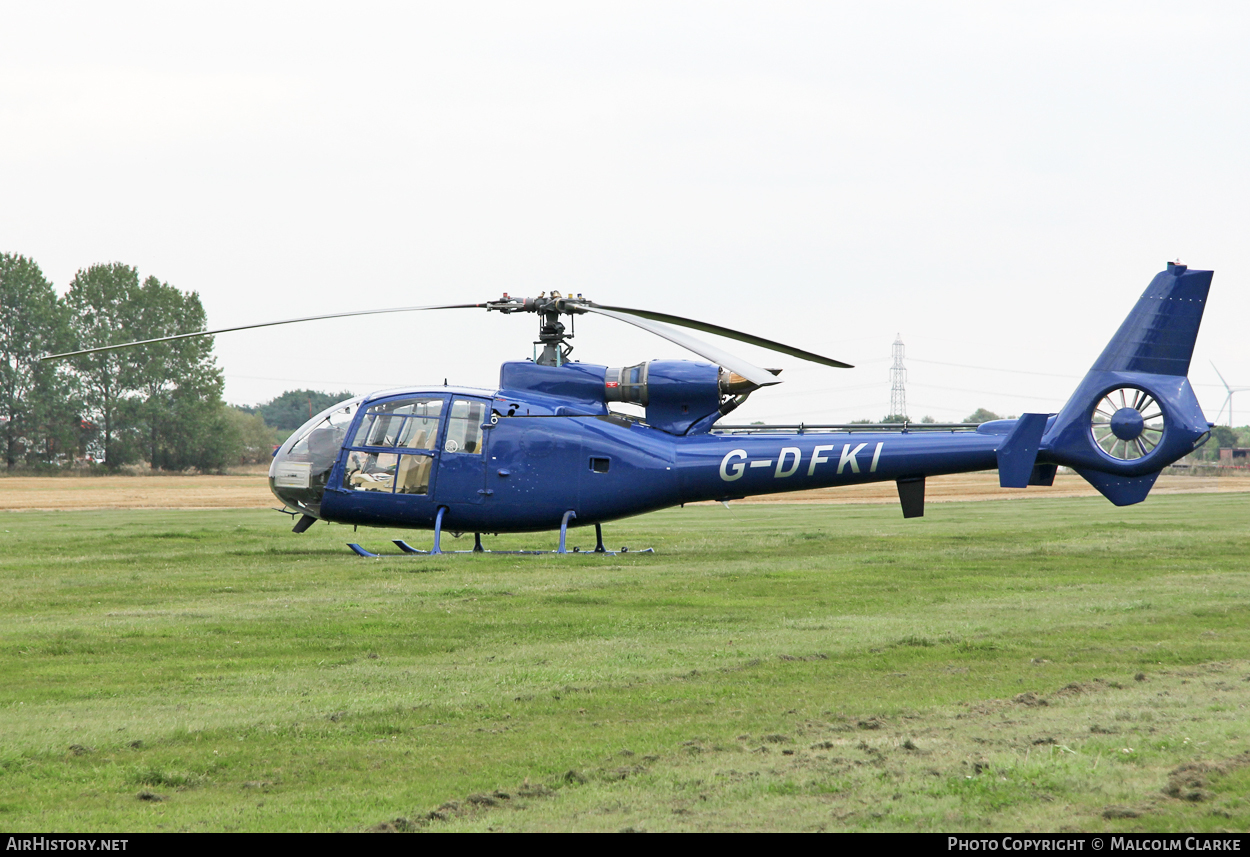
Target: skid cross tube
point(438, 529)
point(564, 529)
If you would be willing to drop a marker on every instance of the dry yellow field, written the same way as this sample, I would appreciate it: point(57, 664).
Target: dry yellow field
point(251, 491)
point(984, 486)
point(68, 493)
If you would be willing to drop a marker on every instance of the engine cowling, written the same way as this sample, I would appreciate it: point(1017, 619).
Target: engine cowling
point(676, 393)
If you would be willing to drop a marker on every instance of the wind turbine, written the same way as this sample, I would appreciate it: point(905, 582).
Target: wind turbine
point(1228, 400)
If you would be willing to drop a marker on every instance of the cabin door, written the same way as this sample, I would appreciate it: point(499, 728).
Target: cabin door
point(461, 460)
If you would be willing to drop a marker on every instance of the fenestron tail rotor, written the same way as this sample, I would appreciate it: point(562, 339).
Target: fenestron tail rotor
point(1127, 423)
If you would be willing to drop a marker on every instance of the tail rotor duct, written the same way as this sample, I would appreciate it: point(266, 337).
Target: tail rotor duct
point(1127, 423)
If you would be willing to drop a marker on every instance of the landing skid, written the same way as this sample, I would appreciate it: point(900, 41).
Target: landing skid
point(409, 550)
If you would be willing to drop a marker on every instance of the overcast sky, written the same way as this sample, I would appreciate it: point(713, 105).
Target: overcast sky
point(996, 183)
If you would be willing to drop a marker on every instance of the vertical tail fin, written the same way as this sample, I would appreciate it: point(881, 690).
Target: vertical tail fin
point(1135, 412)
point(1159, 334)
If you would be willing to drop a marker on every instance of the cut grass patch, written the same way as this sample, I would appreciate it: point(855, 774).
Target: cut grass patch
point(994, 666)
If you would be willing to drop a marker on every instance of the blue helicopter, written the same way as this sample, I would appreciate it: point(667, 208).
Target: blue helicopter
point(545, 451)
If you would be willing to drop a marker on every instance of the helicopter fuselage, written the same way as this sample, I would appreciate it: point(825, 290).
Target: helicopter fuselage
point(544, 449)
point(507, 461)
point(533, 471)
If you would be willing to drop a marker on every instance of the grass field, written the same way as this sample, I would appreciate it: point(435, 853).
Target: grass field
point(1025, 665)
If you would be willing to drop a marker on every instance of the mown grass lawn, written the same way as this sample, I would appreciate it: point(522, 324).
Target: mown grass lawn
point(1026, 664)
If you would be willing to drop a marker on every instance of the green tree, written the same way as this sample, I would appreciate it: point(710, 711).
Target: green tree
point(1223, 437)
point(981, 415)
point(256, 439)
point(178, 383)
point(160, 401)
point(35, 399)
point(102, 301)
point(895, 418)
point(198, 433)
point(295, 407)
point(56, 415)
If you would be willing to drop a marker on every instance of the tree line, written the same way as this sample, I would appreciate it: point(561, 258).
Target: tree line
point(159, 403)
point(295, 407)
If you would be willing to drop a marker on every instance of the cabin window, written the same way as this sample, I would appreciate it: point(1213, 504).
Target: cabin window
point(371, 471)
point(464, 427)
point(395, 426)
point(388, 473)
point(412, 476)
point(600, 465)
point(403, 424)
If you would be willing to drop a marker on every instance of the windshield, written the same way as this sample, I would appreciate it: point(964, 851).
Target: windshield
point(302, 465)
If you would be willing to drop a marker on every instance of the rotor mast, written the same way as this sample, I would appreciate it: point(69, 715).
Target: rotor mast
point(553, 336)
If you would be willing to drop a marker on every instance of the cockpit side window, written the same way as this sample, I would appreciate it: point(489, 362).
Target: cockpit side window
point(404, 424)
point(464, 427)
point(392, 450)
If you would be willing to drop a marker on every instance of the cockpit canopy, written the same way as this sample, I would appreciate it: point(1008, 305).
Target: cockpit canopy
point(301, 466)
point(392, 449)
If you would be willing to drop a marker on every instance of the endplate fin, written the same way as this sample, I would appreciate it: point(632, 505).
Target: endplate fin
point(1018, 453)
point(1120, 490)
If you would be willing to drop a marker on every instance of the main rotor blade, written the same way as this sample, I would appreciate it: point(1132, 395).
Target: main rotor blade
point(252, 326)
point(729, 333)
point(754, 374)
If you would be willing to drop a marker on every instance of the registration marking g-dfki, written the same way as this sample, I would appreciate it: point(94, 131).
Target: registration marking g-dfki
point(790, 459)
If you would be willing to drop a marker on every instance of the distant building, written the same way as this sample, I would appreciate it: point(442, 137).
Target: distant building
point(1235, 456)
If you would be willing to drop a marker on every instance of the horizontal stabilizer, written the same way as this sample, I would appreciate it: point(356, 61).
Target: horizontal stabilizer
point(1121, 490)
point(1018, 452)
